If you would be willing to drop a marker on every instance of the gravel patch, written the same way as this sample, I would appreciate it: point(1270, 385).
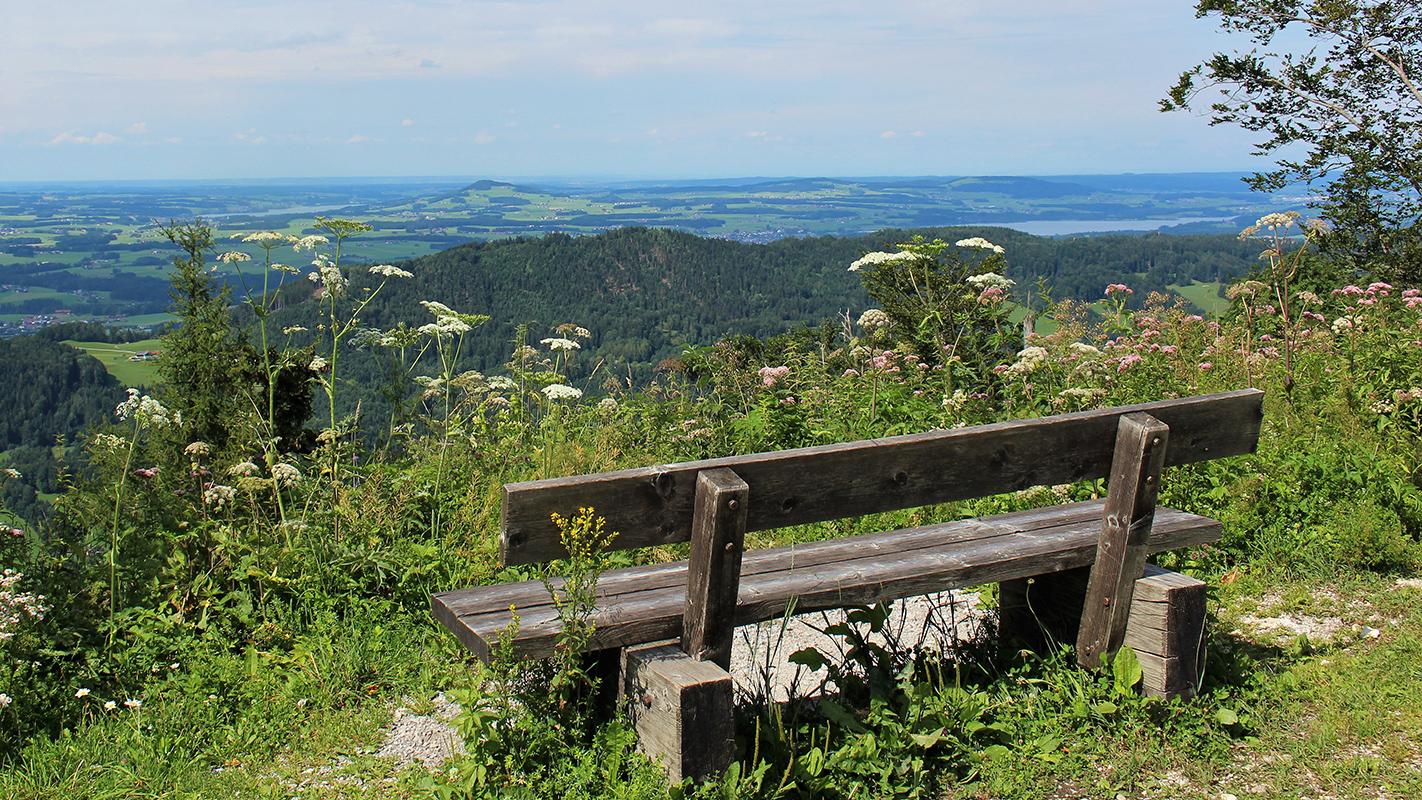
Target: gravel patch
point(760, 655)
point(1291, 626)
point(426, 739)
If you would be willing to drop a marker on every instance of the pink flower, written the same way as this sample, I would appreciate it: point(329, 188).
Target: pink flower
point(772, 375)
point(851, 373)
point(1168, 349)
point(146, 472)
point(1127, 361)
point(1349, 291)
point(789, 401)
point(992, 295)
point(1206, 366)
point(1000, 368)
point(1118, 288)
point(15, 532)
point(1194, 318)
point(1379, 288)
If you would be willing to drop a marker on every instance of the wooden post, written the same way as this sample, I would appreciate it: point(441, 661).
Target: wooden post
point(718, 532)
point(1167, 631)
point(681, 710)
point(1120, 552)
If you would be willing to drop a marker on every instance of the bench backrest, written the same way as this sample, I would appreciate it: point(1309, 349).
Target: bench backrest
point(653, 505)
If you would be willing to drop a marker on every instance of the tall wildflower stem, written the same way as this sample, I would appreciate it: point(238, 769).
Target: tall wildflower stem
point(114, 531)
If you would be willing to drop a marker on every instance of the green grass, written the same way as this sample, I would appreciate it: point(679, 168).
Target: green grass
point(1205, 296)
point(115, 357)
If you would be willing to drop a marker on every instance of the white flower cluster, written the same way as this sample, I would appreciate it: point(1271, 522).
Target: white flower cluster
point(318, 364)
point(875, 259)
point(991, 280)
point(873, 319)
point(1029, 360)
point(197, 450)
point(502, 383)
point(234, 257)
point(559, 391)
point(1084, 349)
point(388, 271)
point(268, 238)
point(308, 242)
point(10, 472)
point(607, 404)
point(559, 344)
point(218, 495)
point(285, 474)
point(328, 276)
point(246, 469)
point(146, 411)
point(448, 322)
point(16, 605)
point(980, 243)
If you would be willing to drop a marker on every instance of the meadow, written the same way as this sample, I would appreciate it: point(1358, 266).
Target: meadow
point(235, 585)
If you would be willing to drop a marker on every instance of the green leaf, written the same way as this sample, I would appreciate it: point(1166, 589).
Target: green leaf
point(1105, 708)
point(1126, 668)
point(809, 657)
point(927, 740)
point(1227, 717)
point(836, 713)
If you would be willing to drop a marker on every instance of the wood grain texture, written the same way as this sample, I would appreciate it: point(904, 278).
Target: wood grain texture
point(681, 709)
point(655, 614)
point(1140, 448)
point(653, 505)
point(529, 594)
point(718, 536)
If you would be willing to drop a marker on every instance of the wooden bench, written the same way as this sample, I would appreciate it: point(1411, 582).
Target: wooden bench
point(681, 694)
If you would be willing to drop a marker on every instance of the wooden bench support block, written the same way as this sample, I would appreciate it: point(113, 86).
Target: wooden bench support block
point(1167, 631)
point(681, 708)
point(1166, 624)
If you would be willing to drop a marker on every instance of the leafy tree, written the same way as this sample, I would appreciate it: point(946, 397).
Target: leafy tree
point(1338, 82)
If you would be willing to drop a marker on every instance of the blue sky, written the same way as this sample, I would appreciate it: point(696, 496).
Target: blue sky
point(119, 89)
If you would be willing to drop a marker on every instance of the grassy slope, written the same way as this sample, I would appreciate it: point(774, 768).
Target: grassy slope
point(115, 359)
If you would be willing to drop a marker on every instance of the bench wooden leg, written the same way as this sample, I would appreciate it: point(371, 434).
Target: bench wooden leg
point(681, 708)
point(1166, 626)
point(1167, 631)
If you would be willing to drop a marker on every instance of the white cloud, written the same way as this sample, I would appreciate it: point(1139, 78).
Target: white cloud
point(249, 137)
point(358, 138)
point(138, 128)
point(483, 137)
point(888, 134)
point(101, 137)
point(407, 123)
point(757, 134)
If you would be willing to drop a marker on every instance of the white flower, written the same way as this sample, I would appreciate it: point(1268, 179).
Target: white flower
point(4, 700)
point(873, 319)
point(290, 270)
point(110, 705)
point(107, 441)
point(980, 243)
point(133, 703)
point(991, 280)
point(268, 238)
point(285, 474)
point(82, 693)
point(390, 272)
point(558, 391)
point(10, 472)
point(607, 404)
point(1084, 349)
point(1029, 360)
point(308, 242)
point(318, 364)
point(1344, 324)
point(246, 469)
point(329, 276)
point(874, 259)
point(582, 333)
point(146, 411)
point(502, 383)
point(556, 344)
point(218, 495)
point(197, 450)
point(233, 257)
point(290, 329)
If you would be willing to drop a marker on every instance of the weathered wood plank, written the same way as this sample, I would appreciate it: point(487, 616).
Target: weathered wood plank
point(1141, 442)
point(1171, 629)
point(528, 594)
point(718, 537)
point(681, 710)
point(653, 505)
point(656, 614)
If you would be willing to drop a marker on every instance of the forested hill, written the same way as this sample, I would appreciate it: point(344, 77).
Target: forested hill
point(646, 292)
point(52, 392)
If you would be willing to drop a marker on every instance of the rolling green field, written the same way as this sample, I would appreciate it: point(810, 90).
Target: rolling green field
point(115, 359)
point(1206, 296)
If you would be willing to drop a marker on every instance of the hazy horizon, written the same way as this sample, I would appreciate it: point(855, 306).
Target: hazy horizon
point(634, 90)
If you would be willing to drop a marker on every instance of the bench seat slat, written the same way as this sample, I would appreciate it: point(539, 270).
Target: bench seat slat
point(641, 604)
